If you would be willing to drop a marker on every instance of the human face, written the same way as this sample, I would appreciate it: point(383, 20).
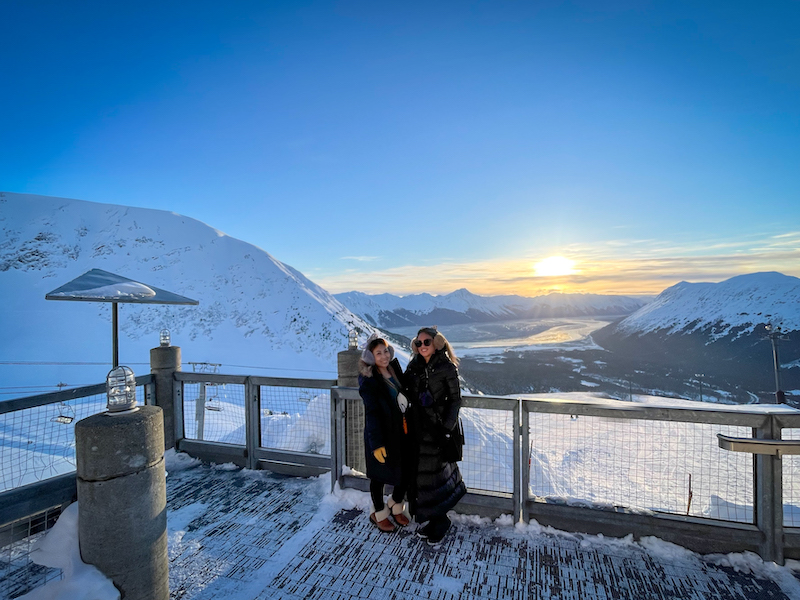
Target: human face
point(382, 356)
point(425, 351)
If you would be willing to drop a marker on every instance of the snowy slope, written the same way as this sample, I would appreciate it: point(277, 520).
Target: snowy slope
point(462, 306)
point(254, 310)
point(739, 303)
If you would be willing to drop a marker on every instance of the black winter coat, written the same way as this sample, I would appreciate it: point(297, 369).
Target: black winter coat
point(383, 426)
point(439, 486)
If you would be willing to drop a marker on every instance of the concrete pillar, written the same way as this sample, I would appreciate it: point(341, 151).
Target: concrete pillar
point(164, 361)
point(354, 415)
point(122, 500)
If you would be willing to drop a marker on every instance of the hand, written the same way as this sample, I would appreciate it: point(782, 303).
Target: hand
point(380, 454)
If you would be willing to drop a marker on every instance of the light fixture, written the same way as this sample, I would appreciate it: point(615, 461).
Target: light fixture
point(121, 390)
point(163, 337)
point(352, 340)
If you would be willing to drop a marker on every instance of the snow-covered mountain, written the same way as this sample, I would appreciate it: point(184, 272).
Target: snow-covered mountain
point(462, 306)
point(717, 327)
point(739, 304)
point(254, 311)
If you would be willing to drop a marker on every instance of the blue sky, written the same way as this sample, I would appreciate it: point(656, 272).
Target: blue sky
point(427, 146)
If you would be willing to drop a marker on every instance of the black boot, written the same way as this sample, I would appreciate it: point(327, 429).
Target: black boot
point(439, 526)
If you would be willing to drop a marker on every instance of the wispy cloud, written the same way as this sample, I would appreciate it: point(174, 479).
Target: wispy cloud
point(613, 267)
point(361, 258)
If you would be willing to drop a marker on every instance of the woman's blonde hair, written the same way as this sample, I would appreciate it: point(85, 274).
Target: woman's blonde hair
point(439, 342)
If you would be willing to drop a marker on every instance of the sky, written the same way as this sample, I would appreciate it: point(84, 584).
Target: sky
point(406, 147)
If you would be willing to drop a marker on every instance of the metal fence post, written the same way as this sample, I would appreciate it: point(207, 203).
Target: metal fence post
point(252, 415)
point(517, 450)
point(525, 465)
point(177, 398)
point(768, 501)
point(336, 457)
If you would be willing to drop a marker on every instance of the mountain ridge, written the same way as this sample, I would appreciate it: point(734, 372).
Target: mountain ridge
point(462, 306)
point(254, 309)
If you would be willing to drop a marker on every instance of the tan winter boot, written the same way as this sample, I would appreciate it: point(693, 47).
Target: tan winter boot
point(399, 512)
point(381, 520)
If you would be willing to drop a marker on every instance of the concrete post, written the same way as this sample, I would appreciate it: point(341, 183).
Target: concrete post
point(122, 500)
point(354, 410)
point(164, 361)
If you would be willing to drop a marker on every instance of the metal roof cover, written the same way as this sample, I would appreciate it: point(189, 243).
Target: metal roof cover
point(101, 286)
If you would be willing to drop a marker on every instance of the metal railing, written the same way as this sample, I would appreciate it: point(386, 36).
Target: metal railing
point(256, 422)
point(617, 467)
point(591, 466)
point(37, 454)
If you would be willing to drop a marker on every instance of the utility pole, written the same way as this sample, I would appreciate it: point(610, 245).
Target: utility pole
point(776, 334)
point(700, 380)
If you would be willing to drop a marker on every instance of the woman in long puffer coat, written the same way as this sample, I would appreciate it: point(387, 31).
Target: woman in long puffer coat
point(435, 393)
point(388, 447)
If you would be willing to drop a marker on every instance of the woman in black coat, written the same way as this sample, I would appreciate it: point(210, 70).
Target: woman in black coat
point(432, 379)
point(387, 444)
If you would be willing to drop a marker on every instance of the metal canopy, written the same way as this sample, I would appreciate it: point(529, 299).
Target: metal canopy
point(101, 286)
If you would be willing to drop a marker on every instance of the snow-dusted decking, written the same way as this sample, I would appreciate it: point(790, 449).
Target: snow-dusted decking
point(245, 535)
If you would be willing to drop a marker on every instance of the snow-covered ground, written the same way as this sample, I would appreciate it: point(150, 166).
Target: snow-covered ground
point(82, 582)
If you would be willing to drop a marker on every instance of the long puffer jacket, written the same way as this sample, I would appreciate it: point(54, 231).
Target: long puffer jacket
point(383, 427)
point(439, 486)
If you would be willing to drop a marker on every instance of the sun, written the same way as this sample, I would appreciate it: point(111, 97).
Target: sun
point(554, 266)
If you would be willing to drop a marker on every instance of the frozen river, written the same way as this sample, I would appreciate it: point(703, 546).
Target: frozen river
point(529, 334)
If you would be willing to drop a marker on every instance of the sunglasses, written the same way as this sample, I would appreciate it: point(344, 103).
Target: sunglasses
point(426, 341)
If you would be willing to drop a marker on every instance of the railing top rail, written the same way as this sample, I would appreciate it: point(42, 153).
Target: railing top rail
point(294, 382)
point(255, 380)
point(789, 421)
point(210, 378)
point(746, 415)
point(490, 402)
point(7, 406)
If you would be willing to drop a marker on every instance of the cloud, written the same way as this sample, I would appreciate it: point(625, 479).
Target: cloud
point(643, 266)
point(361, 258)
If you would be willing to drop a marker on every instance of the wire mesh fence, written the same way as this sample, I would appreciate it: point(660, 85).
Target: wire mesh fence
point(791, 482)
point(297, 419)
point(488, 463)
point(214, 412)
point(646, 465)
point(38, 443)
point(18, 573)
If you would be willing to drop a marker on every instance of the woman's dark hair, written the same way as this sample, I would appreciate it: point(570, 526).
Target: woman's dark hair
point(374, 343)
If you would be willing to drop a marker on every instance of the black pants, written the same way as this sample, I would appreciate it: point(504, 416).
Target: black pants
point(376, 491)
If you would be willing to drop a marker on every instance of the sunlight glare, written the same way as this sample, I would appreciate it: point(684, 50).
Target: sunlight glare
point(554, 266)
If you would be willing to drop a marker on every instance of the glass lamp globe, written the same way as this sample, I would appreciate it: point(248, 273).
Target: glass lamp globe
point(121, 389)
point(163, 337)
point(352, 339)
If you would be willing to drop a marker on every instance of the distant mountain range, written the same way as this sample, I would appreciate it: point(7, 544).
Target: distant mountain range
point(254, 310)
point(388, 311)
point(257, 313)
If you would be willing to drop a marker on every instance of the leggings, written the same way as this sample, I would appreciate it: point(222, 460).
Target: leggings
point(376, 491)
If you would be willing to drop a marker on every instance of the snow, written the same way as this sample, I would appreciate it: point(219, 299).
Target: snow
point(740, 302)
point(60, 549)
point(83, 582)
point(254, 311)
point(131, 289)
point(490, 308)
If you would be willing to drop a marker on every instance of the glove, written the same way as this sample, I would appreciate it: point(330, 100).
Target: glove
point(380, 454)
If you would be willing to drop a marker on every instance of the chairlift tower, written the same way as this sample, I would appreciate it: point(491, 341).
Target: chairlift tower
point(775, 334)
